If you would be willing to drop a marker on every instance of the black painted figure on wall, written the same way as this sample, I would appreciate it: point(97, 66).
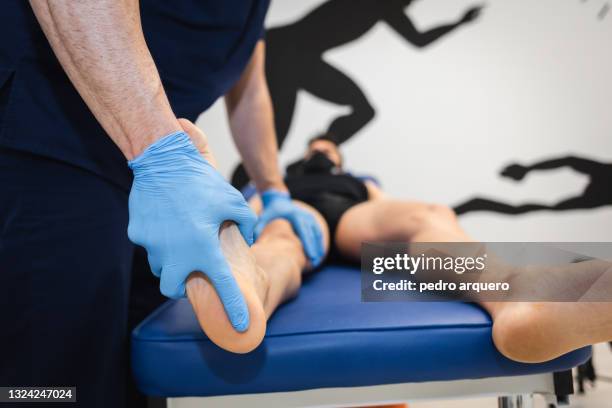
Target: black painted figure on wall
point(597, 193)
point(295, 59)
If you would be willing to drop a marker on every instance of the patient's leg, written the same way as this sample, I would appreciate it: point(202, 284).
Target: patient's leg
point(268, 274)
point(523, 331)
point(279, 252)
point(396, 220)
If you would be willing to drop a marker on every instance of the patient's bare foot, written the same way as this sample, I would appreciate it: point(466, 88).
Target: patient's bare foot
point(254, 285)
point(533, 332)
point(577, 314)
point(269, 273)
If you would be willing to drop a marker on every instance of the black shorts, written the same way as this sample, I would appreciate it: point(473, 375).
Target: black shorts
point(331, 195)
point(332, 208)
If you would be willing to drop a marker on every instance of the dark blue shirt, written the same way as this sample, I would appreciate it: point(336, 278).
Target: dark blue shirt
point(200, 48)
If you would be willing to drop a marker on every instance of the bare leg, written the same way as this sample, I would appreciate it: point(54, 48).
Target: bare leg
point(280, 254)
point(522, 331)
point(395, 220)
point(268, 273)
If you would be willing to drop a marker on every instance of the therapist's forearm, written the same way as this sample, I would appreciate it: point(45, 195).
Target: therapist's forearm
point(101, 46)
point(251, 120)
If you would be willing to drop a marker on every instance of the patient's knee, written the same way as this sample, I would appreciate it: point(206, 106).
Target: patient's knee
point(424, 216)
point(441, 212)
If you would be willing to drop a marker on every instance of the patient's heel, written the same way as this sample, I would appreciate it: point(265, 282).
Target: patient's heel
point(208, 307)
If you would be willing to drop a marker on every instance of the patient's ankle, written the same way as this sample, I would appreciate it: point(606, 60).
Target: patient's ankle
point(280, 240)
point(279, 229)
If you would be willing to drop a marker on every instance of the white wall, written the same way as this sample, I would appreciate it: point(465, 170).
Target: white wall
point(529, 80)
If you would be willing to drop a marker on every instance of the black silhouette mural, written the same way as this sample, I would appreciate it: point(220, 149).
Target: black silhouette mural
point(295, 61)
point(597, 193)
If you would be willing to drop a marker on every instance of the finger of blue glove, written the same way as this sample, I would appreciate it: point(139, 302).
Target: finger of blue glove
point(305, 226)
point(172, 285)
point(318, 239)
point(172, 280)
point(246, 220)
point(154, 264)
point(236, 209)
point(228, 291)
point(318, 249)
point(263, 220)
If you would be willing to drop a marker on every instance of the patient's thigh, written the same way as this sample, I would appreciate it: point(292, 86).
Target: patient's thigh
point(380, 220)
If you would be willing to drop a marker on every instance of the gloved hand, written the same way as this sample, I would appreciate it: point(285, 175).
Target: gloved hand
point(278, 204)
point(177, 204)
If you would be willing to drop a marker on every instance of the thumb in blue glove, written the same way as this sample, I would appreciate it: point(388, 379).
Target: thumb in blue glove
point(177, 204)
point(278, 204)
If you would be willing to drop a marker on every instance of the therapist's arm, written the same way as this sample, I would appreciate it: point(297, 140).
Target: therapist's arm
point(249, 108)
point(101, 46)
point(178, 201)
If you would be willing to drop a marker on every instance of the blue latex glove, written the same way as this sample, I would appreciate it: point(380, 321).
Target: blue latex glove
point(278, 204)
point(177, 204)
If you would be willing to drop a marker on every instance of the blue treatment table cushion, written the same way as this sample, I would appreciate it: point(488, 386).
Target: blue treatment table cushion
point(326, 337)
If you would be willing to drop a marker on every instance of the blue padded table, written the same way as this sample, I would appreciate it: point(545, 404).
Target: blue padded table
point(327, 337)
